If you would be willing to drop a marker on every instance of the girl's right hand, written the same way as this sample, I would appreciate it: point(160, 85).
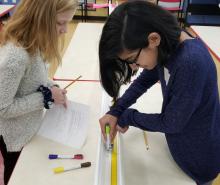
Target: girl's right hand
point(112, 121)
point(59, 95)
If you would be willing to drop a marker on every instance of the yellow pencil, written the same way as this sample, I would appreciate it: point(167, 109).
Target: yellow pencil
point(72, 82)
point(145, 140)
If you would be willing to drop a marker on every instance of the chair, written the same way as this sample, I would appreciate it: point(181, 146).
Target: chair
point(170, 5)
point(91, 5)
point(202, 12)
point(86, 5)
point(9, 2)
point(175, 6)
point(82, 5)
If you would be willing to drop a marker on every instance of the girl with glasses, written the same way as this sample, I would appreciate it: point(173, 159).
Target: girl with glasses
point(139, 34)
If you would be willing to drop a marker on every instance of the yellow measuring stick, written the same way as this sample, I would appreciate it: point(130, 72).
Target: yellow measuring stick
point(114, 169)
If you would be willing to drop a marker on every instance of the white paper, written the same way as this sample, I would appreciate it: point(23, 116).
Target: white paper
point(66, 126)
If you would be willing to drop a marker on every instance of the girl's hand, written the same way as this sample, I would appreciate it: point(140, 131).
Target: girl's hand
point(112, 121)
point(59, 96)
point(122, 130)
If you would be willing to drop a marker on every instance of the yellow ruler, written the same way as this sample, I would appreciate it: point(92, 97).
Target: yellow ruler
point(114, 171)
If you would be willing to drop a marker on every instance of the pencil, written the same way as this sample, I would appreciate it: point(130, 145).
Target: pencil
point(145, 140)
point(72, 82)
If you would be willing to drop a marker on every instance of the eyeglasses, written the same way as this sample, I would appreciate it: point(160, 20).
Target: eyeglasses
point(134, 61)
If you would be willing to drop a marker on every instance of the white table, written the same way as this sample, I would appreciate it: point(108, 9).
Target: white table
point(4, 9)
point(81, 57)
point(142, 167)
point(34, 167)
point(211, 37)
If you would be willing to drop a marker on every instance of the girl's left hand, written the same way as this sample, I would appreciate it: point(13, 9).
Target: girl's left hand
point(122, 130)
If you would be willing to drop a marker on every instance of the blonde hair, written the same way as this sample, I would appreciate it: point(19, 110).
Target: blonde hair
point(33, 26)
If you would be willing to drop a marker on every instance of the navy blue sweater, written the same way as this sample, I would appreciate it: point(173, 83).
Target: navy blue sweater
point(190, 115)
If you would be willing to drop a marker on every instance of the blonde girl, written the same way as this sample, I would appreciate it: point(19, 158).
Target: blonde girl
point(28, 42)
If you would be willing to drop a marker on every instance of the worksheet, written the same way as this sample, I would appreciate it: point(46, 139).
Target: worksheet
point(68, 126)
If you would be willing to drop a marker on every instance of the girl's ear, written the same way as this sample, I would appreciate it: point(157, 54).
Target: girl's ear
point(154, 39)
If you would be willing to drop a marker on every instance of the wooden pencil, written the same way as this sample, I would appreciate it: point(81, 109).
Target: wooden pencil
point(72, 82)
point(145, 140)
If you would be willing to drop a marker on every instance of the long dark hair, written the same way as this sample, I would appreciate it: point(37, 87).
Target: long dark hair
point(128, 28)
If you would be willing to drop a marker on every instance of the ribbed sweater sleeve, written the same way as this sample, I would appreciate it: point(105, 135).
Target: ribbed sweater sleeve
point(12, 69)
